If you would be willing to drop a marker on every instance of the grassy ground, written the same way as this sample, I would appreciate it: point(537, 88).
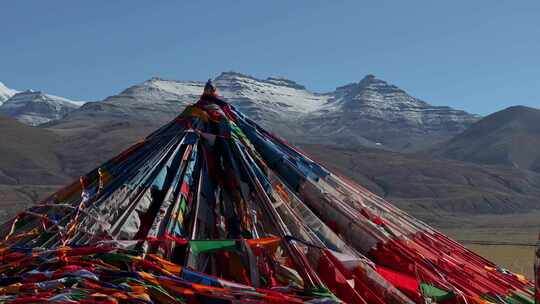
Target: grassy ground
point(518, 259)
point(516, 228)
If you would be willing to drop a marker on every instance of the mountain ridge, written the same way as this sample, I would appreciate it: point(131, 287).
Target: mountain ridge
point(370, 112)
point(375, 111)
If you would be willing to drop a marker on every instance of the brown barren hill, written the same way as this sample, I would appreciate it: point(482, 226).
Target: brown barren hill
point(510, 137)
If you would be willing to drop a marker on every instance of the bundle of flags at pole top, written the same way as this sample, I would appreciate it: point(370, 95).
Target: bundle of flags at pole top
point(212, 208)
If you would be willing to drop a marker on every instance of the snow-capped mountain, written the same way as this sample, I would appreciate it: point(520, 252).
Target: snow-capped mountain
point(158, 91)
point(369, 113)
point(381, 114)
point(268, 101)
point(277, 94)
point(275, 103)
point(274, 94)
point(376, 99)
point(5, 93)
point(150, 103)
point(36, 108)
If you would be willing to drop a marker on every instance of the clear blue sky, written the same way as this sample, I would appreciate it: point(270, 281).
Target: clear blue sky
point(481, 56)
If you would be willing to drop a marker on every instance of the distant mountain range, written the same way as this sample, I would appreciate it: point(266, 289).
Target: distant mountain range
point(371, 112)
point(34, 107)
point(455, 161)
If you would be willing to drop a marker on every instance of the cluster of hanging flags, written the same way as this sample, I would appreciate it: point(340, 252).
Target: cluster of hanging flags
point(211, 208)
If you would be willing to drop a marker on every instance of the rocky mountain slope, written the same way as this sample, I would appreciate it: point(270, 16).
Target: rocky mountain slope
point(373, 112)
point(510, 137)
point(36, 108)
point(31, 166)
point(5, 93)
point(153, 102)
point(29, 155)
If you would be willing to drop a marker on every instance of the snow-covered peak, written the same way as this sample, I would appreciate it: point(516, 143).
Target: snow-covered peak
point(279, 81)
point(271, 94)
point(375, 110)
point(176, 87)
point(377, 93)
point(35, 107)
point(158, 91)
point(277, 95)
point(157, 86)
point(5, 93)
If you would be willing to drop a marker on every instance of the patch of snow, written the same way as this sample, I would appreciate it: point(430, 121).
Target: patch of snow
point(177, 87)
point(272, 93)
point(157, 92)
point(6, 93)
point(35, 107)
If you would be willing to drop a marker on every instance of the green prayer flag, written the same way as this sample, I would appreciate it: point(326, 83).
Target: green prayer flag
point(78, 295)
point(520, 298)
point(237, 132)
point(510, 300)
point(435, 293)
point(206, 246)
point(322, 292)
point(114, 257)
